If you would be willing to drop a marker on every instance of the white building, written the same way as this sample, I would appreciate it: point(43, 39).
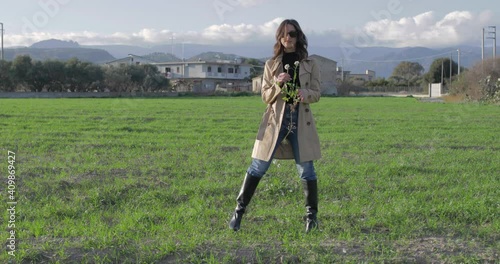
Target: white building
point(198, 76)
point(328, 73)
point(206, 76)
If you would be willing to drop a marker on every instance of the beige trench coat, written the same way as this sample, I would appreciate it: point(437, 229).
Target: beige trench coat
point(309, 146)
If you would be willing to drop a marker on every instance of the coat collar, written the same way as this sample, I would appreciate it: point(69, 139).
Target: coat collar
point(305, 64)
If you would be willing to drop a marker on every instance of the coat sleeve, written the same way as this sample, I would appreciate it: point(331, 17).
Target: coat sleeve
point(312, 92)
point(270, 90)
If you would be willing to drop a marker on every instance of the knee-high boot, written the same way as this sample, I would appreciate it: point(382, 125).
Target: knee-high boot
point(247, 190)
point(311, 195)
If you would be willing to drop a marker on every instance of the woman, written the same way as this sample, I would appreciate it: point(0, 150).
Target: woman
point(287, 130)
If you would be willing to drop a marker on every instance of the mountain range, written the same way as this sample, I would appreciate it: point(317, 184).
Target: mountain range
point(382, 60)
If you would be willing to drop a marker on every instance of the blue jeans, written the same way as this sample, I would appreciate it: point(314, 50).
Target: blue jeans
point(258, 168)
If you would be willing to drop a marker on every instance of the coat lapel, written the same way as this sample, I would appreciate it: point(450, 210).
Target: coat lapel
point(277, 67)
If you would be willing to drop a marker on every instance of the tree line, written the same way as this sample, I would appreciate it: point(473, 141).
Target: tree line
point(479, 83)
point(25, 74)
point(412, 74)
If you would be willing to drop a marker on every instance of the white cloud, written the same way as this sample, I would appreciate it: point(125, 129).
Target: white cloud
point(270, 27)
point(225, 32)
point(420, 30)
point(427, 30)
point(215, 34)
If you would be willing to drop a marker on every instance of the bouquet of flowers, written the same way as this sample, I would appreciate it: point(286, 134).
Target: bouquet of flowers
point(290, 91)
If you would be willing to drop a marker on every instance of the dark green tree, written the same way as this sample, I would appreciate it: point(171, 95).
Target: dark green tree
point(56, 74)
point(439, 71)
point(153, 83)
point(38, 77)
point(21, 69)
point(407, 73)
point(137, 75)
point(116, 79)
point(257, 69)
point(7, 83)
point(82, 76)
point(377, 82)
point(94, 77)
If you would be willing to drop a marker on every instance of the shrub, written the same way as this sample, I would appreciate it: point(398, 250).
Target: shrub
point(479, 83)
point(490, 89)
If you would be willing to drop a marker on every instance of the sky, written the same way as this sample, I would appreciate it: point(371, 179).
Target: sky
point(390, 23)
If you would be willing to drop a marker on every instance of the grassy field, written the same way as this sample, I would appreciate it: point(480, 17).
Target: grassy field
point(155, 181)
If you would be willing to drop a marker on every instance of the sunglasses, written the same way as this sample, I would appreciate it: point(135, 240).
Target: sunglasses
point(292, 34)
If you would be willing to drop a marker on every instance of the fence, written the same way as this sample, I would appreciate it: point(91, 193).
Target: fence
point(395, 89)
point(84, 94)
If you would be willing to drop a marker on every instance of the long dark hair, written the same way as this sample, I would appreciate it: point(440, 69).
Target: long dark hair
point(301, 46)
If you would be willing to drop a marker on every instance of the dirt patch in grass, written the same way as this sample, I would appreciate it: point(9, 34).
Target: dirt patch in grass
point(437, 249)
point(457, 98)
point(254, 254)
point(421, 250)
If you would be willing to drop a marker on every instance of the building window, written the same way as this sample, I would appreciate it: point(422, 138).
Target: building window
point(209, 69)
point(167, 69)
point(230, 70)
point(178, 69)
point(219, 69)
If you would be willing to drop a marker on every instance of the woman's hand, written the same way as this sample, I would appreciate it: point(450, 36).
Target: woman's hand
point(283, 78)
point(299, 95)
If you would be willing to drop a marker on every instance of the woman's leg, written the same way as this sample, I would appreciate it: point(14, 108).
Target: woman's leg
point(310, 188)
point(255, 172)
point(246, 192)
point(309, 181)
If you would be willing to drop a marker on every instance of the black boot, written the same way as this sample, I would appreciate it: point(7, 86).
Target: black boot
point(311, 193)
point(247, 190)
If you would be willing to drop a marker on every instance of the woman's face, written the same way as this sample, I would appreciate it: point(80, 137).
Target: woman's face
point(289, 38)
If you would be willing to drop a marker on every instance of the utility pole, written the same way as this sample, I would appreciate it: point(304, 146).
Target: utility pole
point(442, 71)
point(172, 39)
point(458, 61)
point(1, 31)
point(451, 66)
point(492, 34)
point(482, 45)
point(342, 70)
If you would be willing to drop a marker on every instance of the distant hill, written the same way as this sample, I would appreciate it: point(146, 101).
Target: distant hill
point(55, 43)
point(161, 57)
point(191, 50)
point(214, 56)
point(122, 51)
point(382, 60)
point(54, 49)
point(90, 55)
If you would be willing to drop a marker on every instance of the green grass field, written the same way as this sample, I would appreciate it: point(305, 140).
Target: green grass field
point(155, 181)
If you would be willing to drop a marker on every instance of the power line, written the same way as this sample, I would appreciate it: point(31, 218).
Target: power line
point(408, 59)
